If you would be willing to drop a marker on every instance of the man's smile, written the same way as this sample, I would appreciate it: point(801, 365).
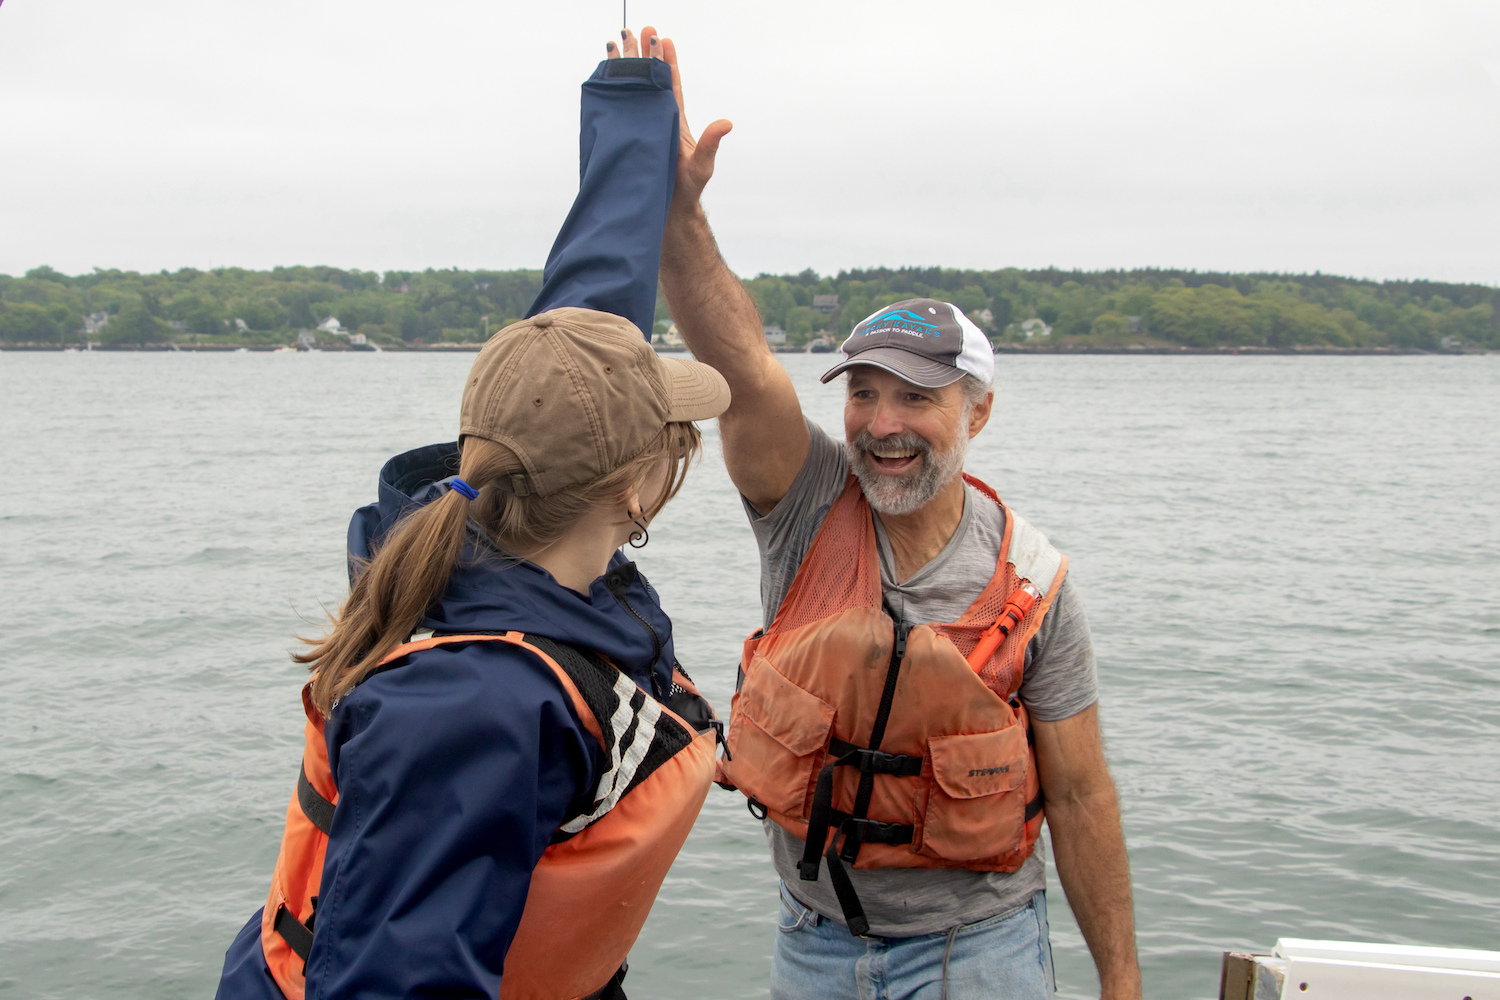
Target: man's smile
point(893, 461)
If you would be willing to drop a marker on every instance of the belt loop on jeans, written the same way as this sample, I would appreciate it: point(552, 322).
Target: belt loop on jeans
point(813, 916)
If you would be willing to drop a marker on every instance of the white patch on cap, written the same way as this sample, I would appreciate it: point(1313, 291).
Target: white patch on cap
point(977, 357)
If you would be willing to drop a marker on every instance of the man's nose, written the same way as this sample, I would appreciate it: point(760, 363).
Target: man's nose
point(885, 421)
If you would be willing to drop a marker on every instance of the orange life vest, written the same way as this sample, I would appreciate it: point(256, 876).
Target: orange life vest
point(912, 744)
point(593, 887)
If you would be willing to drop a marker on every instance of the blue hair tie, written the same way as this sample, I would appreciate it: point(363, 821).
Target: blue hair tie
point(459, 486)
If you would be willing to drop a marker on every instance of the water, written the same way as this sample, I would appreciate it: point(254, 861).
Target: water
point(1292, 567)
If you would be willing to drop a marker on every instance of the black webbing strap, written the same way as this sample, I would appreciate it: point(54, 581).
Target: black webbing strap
point(314, 806)
point(1034, 807)
point(855, 826)
point(296, 934)
point(854, 911)
point(877, 733)
point(817, 821)
point(823, 815)
point(612, 990)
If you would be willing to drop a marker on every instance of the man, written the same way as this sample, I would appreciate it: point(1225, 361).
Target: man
point(924, 688)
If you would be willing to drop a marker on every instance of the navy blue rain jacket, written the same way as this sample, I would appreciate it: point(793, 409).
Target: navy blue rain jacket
point(608, 253)
point(456, 768)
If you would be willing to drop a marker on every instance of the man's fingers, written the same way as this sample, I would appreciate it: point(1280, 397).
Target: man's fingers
point(708, 142)
point(632, 48)
point(669, 53)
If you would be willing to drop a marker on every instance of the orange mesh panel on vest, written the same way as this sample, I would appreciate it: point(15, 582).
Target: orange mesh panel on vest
point(840, 576)
point(1002, 672)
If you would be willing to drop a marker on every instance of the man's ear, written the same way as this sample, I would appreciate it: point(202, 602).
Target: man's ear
point(980, 414)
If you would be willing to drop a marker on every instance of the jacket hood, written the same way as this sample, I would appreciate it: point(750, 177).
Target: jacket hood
point(620, 617)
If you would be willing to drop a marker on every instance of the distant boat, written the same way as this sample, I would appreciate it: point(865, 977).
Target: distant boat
point(820, 345)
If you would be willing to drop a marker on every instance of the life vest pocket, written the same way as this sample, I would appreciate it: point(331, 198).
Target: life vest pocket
point(778, 733)
point(975, 802)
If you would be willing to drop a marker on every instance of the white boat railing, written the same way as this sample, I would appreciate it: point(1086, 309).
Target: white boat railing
point(1354, 970)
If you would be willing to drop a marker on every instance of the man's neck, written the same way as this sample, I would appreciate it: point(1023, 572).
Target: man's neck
point(917, 538)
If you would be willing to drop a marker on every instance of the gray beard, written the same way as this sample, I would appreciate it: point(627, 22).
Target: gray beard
point(910, 491)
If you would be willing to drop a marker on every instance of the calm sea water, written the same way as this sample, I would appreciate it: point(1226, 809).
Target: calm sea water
point(1291, 565)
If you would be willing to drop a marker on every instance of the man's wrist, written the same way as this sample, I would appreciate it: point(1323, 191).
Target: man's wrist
point(687, 231)
point(1121, 984)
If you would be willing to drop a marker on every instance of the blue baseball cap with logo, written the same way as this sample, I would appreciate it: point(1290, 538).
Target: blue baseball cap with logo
point(925, 341)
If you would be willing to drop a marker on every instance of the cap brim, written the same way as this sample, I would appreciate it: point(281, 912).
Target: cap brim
point(698, 392)
point(913, 367)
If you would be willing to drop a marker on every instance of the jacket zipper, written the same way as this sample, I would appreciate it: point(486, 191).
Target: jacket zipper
point(618, 586)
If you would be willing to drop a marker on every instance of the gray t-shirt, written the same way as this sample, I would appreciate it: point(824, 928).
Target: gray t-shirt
point(1060, 681)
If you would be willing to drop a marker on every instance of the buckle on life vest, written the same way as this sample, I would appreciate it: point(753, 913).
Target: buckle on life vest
point(869, 831)
point(874, 761)
point(720, 740)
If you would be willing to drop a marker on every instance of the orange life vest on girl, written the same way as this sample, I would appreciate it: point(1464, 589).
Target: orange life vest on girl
point(594, 885)
point(911, 744)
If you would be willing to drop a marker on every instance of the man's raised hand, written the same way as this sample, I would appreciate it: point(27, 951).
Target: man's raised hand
point(695, 158)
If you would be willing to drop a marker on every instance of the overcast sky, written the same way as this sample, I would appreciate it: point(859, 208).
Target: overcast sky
point(1357, 138)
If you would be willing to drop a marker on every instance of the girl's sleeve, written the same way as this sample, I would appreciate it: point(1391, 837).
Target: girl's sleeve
point(608, 254)
point(453, 776)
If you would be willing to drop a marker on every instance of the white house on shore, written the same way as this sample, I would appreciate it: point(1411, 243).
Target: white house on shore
point(331, 325)
point(668, 337)
point(774, 334)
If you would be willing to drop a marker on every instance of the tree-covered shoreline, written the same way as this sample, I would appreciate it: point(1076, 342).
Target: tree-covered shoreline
point(1145, 309)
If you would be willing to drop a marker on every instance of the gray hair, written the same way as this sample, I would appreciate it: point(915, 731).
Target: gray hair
point(974, 389)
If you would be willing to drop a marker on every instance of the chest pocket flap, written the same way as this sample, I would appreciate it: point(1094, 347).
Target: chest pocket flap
point(799, 720)
point(978, 764)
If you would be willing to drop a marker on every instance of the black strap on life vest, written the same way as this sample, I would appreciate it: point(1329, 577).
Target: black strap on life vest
point(316, 808)
point(612, 990)
point(297, 935)
point(856, 826)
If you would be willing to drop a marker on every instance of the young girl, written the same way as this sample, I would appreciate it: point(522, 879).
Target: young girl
point(501, 758)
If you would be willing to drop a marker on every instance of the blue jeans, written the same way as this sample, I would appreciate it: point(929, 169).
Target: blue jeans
point(1006, 956)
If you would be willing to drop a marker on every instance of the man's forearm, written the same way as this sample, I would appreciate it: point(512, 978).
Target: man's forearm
point(1089, 846)
point(715, 315)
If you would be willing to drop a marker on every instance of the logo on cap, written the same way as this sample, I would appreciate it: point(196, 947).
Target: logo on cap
point(899, 321)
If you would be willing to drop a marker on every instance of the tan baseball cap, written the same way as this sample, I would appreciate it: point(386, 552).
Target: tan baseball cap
point(577, 393)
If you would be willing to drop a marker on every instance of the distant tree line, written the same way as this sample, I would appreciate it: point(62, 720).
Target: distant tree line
point(1189, 308)
point(1196, 309)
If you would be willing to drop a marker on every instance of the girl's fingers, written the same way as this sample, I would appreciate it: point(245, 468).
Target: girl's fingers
point(611, 50)
point(650, 43)
point(632, 48)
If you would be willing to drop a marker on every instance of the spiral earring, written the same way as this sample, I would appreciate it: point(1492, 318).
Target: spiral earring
point(642, 534)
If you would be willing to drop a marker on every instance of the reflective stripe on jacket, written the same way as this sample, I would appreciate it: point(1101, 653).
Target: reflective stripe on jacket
point(594, 885)
point(845, 724)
